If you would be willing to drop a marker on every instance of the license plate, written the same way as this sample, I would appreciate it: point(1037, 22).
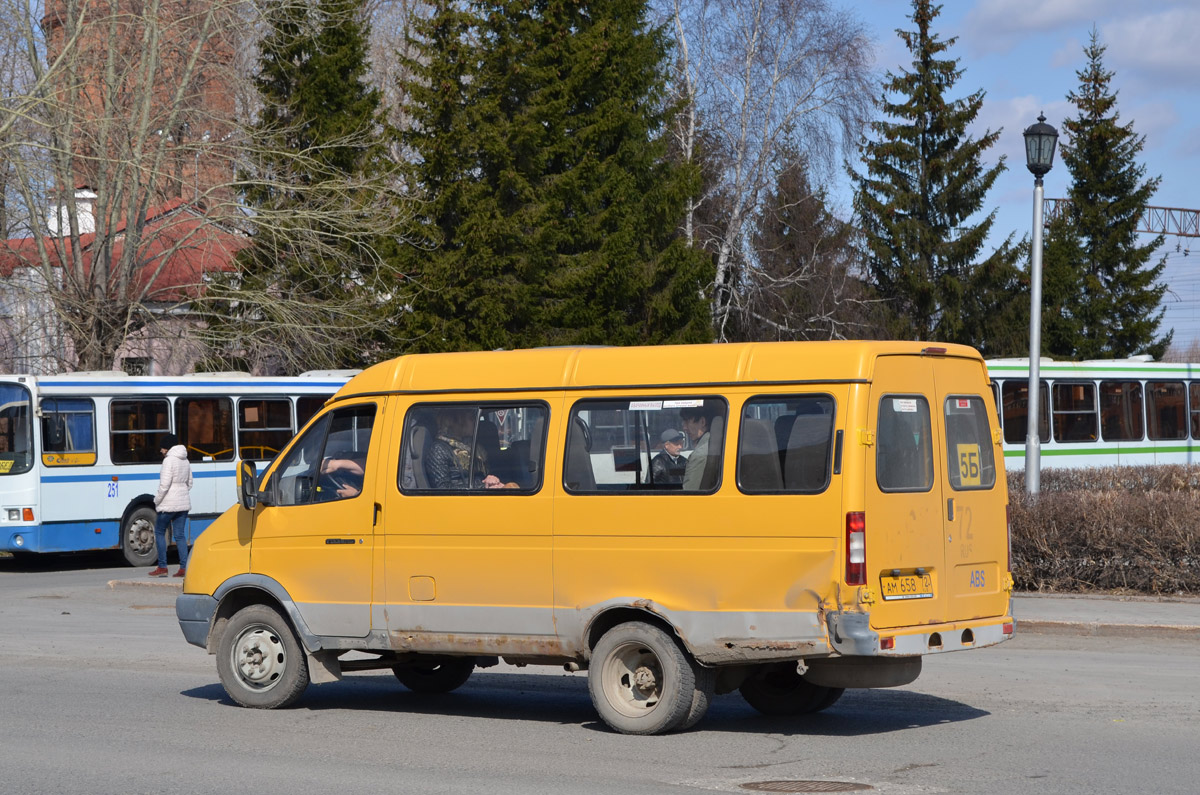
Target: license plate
point(908, 586)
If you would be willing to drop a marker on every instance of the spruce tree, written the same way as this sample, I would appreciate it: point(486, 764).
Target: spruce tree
point(1101, 289)
point(305, 292)
point(550, 206)
point(924, 179)
point(806, 287)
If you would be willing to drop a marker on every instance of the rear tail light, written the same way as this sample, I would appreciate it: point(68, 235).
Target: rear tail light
point(856, 548)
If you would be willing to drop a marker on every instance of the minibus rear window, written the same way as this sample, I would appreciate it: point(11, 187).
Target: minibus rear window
point(904, 452)
point(971, 463)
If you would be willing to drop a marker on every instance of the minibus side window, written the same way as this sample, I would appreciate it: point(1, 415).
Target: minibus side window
point(645, 444)
point(904, 453)
point(68, 432)
point(135, 428)
point(971, 462)
point(480, 448)
point(329, 462)
point(205, 427)
point(785, 444)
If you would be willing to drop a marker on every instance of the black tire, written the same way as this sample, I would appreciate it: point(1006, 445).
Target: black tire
point(260, 661)
point(435, 677)
point(137, 537)
point(777, 690)
point(706, 686)
point(642, 681)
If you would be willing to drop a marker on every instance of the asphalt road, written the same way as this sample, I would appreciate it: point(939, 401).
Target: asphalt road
point(99, 693)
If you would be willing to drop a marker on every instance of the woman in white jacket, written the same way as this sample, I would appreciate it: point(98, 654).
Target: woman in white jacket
point(173, 501)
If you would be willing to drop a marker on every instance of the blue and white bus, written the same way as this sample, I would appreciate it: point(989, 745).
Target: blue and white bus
point(1101, 413)
point(79, 453)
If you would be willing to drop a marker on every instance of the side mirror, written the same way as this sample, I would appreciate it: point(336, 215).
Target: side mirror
point(247, 487)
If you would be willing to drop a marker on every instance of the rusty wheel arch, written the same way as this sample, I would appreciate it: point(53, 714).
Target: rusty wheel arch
point(638, 611)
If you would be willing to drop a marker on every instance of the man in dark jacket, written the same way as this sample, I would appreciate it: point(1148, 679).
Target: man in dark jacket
point(668, 465)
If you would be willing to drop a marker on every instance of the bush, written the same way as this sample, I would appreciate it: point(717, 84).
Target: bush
point(1127, 529)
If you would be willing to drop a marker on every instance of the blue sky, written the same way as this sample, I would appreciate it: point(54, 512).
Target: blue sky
point(1025, 53)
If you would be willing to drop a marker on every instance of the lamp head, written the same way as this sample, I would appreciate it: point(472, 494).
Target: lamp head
point(1040, 140)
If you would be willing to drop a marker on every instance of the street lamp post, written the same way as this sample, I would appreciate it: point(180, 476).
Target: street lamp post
point(1040, 140)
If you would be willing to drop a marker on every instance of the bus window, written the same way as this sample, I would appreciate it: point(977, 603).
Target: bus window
point(1165, 409)
point(970, 464)
point(505, 443)
point(1194, 407)
point(1074, 412)
point(135, 428)
point(205, 427)
point(68, 432)
point(904, 453)
point(16, 451)
point(1014, 396)
point(264, 427)
point(611, 443)
point(1121, 410)
point(785, 444)
point(306, 407)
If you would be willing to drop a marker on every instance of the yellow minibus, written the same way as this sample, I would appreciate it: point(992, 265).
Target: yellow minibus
point(786, 520)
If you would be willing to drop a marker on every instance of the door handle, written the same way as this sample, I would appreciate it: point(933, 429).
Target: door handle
point(375, 516)
point(950, 509)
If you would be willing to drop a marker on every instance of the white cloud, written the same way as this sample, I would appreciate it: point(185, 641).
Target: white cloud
point(999, 25)
point(1159, 47)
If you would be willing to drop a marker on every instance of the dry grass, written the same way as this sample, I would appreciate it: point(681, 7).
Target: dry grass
point(1124, 529)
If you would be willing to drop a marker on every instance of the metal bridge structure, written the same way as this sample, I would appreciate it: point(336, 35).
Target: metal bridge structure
point(1154, 221)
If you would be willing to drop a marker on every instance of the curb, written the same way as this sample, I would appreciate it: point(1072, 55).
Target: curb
point(1102, 630)
point(146, 583)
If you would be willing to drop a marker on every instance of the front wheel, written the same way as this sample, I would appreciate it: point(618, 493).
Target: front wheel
point(137, 537)
point(260, 661)
point(642, 681)
point(437, 677)
point(778, 690)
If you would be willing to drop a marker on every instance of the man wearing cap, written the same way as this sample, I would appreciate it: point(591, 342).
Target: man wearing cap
point(173, 501)
point(668, 465)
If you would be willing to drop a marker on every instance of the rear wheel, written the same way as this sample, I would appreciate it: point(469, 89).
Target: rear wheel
point(777, 690)
point(642, 681)
point(137, 537)
point(260, 661)
point(435, 677)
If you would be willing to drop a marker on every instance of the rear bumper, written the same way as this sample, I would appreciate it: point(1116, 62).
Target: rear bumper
point(851, 634)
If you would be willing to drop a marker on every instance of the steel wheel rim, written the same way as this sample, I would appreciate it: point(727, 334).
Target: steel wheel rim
point(141, 537)
point(633, 680)
point(259, 658)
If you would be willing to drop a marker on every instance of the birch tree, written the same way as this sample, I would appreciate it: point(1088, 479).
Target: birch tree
point(764, 84)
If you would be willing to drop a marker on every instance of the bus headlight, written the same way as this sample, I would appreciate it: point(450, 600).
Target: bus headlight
point(14, 514)
point(18, 541)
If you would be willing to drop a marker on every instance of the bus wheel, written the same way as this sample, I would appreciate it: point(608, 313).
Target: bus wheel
point(137, 537)
point(642, 681)
point(777, 690)
point(260, 661)
point(436, 677)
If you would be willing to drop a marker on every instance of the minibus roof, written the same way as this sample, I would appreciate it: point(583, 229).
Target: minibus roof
point(541, 369)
